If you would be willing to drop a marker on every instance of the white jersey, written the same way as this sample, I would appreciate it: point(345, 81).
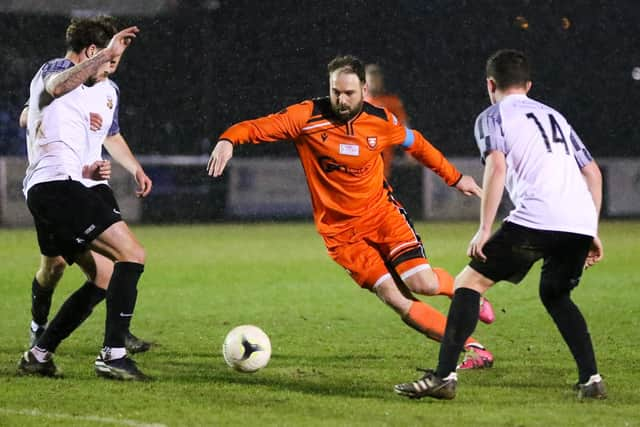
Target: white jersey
point(59, 140)
point(102, 98)
point(544, 157)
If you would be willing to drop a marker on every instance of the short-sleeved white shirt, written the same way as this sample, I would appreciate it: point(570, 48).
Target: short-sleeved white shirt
point(59, 139)
point(544, 157)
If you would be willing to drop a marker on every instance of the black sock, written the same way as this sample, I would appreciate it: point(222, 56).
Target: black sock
point(461, 322)
point(573, 328)
point(40, 302)
point(73, 312)
point(121, 301)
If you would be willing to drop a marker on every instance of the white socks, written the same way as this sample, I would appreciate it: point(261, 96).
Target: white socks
point(41, 354)
point(451, 376)
point(594, 379)
point(111, 353)
point(35, 326)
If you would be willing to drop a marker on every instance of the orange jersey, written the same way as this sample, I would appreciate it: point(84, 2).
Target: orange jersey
point(342, 161)
point(394, 104)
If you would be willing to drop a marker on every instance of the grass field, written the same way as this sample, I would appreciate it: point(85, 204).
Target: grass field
point(337, 351)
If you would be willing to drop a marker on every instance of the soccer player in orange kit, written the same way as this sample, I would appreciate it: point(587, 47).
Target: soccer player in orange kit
point(339, 140)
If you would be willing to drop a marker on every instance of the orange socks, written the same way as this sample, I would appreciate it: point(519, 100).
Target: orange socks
point(445, 282)
point(426, 319)
point(429, 321)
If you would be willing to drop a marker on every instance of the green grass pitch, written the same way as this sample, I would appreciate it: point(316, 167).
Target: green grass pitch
point(337, 350)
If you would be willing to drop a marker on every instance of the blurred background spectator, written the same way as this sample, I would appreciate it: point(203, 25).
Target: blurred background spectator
point(378, 95)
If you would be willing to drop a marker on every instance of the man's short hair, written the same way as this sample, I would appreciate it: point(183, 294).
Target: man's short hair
point(508, 68)
point(83, 32)
point(349, 64)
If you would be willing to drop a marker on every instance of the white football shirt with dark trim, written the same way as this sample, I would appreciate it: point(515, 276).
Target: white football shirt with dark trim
point(59, 139)
point(544, 157)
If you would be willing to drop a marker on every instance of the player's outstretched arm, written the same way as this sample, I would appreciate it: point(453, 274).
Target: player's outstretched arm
point(424, 152)
point(468, 186)
point(493, 182)
point(593, 178)
point(64, 82)
point(220, 156)
point(118, 148)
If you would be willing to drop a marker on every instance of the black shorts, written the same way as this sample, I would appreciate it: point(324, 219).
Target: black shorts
point(513, 249)
point(68, 215)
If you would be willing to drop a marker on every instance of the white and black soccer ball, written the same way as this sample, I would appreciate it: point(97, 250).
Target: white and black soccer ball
point(246, 348)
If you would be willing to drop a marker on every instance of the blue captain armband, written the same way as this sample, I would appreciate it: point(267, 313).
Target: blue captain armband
point(408, 138)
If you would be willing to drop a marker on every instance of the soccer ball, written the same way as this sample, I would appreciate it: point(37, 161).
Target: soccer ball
point(246, 348)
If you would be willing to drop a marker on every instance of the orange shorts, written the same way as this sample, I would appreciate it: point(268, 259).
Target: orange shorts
point(381, 241)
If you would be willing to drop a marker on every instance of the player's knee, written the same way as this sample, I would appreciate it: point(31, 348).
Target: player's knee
point(555, 290)
point(129, 251)
point(550, 292)
point(388, 293)
point(101, 279)
point(431, 287)
point(51, 272)
point(136, 254)
point(471, 279)
point(423, 283)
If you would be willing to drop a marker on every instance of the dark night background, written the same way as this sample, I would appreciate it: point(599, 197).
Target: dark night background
point(198, 67)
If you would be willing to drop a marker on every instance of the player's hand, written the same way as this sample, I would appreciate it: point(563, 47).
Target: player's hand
point(121, 40)
point(99, 170)
point(596, 253)
point(468, 186)
point(95, 121)
point(220, 156)
point(144, 184)
point(477, 244)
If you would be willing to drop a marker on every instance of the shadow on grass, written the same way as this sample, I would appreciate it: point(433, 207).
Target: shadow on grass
point(356, 375)
point(349, 375)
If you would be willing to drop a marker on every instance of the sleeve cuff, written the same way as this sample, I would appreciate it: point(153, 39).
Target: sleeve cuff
point(456, 181)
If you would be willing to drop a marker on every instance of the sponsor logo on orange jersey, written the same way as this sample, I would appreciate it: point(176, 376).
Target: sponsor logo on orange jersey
point(329, 164)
